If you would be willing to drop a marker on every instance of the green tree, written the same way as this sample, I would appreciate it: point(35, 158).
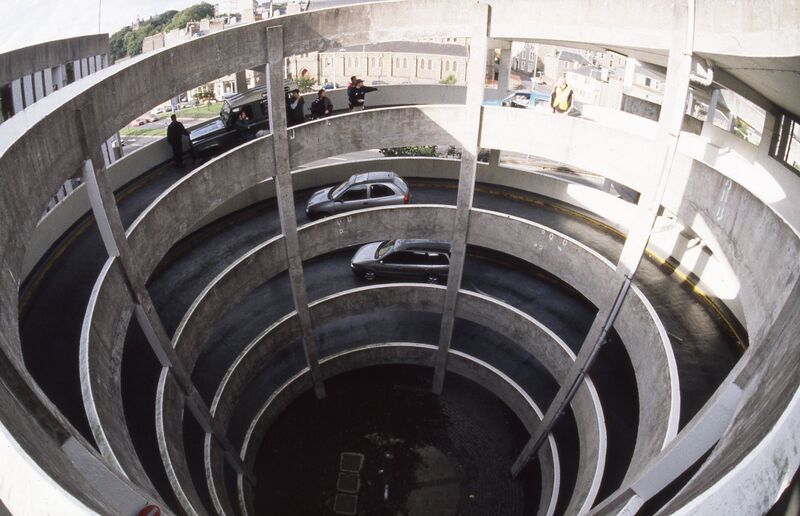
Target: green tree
point(450, 79)
point(196, 12)
point(305, 83)
point(133, 42)
point(116, 44)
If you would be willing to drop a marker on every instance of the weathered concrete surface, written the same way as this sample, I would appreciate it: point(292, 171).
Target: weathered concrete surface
point(170, 403)
point(572, 262)
point(257, 356)
point(101, 367)
point(27, 60)
point(215, 476)
point(413, 354)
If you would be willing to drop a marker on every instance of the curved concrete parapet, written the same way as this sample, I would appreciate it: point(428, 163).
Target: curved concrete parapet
point(100, 369)
point(532, 337)
point(638, 325)
point(27, 60)
point(173, 213)
point(170, 403)
point(409, 354)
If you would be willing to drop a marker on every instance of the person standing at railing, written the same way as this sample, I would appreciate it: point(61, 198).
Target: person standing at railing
point(561, 98)
point(175, 133)
point(322, 105)
point(358, 96)
point(294, 109)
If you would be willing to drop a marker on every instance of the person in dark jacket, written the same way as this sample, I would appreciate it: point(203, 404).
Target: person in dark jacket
point(350, 87)
point(294, 109)
point(322, 105)
point(175, 133)
point(358, 94)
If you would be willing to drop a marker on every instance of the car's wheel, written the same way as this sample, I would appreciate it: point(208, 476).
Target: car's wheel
point(368, 275)
point(433, 278)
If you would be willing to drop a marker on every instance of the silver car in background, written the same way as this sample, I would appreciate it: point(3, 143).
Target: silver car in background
point(428, 259)
point(360, 191)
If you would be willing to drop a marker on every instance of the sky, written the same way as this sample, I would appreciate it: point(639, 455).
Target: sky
point(28, 22)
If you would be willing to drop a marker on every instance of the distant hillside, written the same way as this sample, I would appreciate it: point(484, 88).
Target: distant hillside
point(128, 42)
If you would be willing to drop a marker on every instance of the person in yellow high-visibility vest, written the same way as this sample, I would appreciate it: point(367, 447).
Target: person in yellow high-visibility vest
point(561, 98)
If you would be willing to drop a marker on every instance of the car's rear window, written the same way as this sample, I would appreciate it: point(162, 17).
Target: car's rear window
point(402, 184)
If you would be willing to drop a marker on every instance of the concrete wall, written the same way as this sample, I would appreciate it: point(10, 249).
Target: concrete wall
point(27, 60)
point(411, 354)
point(114, 96)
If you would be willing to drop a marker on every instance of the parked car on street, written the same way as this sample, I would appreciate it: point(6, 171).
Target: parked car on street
point(360, 191)
point(411, 258)
point(524, 99)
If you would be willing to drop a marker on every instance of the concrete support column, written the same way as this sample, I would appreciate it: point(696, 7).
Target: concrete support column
point(84, 66)
point(669, 127)
point(241, 82)
point(48, 81)
point(38, 86)
point(27, 89)
point(112, 232)
point(494, 158)
point(90, 62)
point(285, 196)
point(504, 72)
point(76, 69)
point(259, 77)
point(59, 76)
point(17, 101)
point(765, 144)
point(98, 63)
point(476, 78)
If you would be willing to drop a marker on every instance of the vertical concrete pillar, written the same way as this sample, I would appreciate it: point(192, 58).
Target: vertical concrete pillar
point(112, 232)
point(90, 62)
point(765, 144)
point(48, 81)
point(38, 86)
point(504, 72)
point(285, 196)
point(76, 69)
point(84, 67)
point(27, 90)
point(16, 96)
point(241, 81)
point(98, 63)
point(494, 158)
point(105, 60)
point(669, 127)
point(59, 76)
point(476, 77)
point(259, 77)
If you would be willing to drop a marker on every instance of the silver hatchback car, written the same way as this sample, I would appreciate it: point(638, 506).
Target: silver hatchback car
point(429, 259)
point(360, 191)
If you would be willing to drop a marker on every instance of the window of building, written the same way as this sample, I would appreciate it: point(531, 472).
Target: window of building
point(421, 64)
point(380, 62)
point(454, 65)
point(405, 63)
point(430, 67)
point(373, 62)
point(647, 81)
point(327, 62)
point(397, 63)
point(447, 66)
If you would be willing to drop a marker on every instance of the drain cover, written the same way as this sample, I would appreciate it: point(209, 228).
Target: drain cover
point(348, 483)
point(345, 504)
point(351, 462)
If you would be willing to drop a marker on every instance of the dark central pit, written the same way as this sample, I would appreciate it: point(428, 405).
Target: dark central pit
point(422, 454)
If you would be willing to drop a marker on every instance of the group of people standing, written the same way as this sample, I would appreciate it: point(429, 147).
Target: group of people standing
point(322, 105)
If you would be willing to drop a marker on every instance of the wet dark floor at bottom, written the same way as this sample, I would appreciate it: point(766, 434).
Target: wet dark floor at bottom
point(422, 454)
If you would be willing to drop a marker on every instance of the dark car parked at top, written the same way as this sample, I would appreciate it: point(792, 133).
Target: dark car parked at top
point(411, 258)
point(360, 191)
point(223, 132)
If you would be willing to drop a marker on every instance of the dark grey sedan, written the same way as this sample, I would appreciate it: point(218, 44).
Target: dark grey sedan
point(360, 191)
point(429, 259)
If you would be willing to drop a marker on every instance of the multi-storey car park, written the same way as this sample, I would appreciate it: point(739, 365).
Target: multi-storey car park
point(189, 340)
